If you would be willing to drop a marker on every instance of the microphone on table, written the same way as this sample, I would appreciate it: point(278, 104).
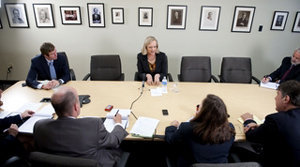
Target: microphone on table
point(143, 84)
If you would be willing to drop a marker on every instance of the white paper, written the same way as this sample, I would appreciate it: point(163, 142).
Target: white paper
point(29, 106)
point(109, 122)
point(156, 92)
point(27, 127)
point(47, 110)
point(144, 127)
point(270, 85)
point(3, 114)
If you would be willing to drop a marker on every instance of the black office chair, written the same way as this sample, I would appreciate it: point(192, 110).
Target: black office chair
point(196, 69)
point(105, 68)
point(72, 73)
point(237, 70)
point(40, 159)
point(238, 164)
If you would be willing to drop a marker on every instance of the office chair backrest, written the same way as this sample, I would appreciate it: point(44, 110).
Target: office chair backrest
point(105, 67)
point(238, 164)
point(40, 159)
point(72, 73)
point(236, 70)
point(195, 69)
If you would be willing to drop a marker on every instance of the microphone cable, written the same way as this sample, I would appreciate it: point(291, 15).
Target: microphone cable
point(134, 102)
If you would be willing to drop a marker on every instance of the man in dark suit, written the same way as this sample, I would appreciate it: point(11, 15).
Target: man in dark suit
point(41, 65)
point(78, 137)
point(289, 69)
point(10, 144)
point(279, 134)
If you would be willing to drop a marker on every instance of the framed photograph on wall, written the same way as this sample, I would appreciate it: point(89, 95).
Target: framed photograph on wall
point(296, 26)
point(176, 17)
point(16, 15)
point(43, 15)
point(209, 19)
point(279, 20)
point(96, 15)
point(70, 15)
point(145, 16)
point(242, 19)
point(117, 15)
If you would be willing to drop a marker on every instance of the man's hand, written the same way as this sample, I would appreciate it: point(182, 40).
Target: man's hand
point(27, 113)
point(13, 130)
point(250, 126)
point(265, 80)
point(247, 116)
point(118, 118)
point(175, 123)
point(50, 85)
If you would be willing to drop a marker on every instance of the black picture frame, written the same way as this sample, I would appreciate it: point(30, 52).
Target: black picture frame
point(279, 20)
point(43, 15)
point(243, 19)
point(145, 16)
point(70, 15)
point(17, 15)
point(296, 26)
point(96, 15)
point(176, 17)
point(117, 15)
point(209, 18)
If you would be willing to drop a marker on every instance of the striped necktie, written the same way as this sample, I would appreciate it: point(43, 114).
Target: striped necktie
point(52, 70)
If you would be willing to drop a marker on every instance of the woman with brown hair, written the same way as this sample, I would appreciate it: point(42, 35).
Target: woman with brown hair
point(207, 138)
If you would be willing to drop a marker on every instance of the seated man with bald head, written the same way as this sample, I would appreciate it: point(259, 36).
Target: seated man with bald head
point(78, 137)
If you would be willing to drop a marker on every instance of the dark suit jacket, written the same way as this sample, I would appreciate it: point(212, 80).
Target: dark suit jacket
point(161, 65)
point(285, 65)
point(10, 145)
point(84, 137)
point(280, 136)
point(39, 70)
point(192, 150)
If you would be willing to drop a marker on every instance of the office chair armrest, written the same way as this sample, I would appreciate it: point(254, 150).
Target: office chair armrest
point(170, 77)
point(214, 78)
point(72, 75)
point(221, 78)
point(179, 77)
point(86, 77)
point(256, 80)
point(124, 159)
point(122, 78)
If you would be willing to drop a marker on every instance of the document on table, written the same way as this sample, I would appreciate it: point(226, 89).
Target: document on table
point(45, 113)
point(109, 122)
point(270, 85)
point(255, 118)
point(144, 127)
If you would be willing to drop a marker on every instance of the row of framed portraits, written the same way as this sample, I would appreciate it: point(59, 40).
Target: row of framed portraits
point(176, 17)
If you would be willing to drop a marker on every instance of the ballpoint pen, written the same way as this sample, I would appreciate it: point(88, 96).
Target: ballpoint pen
point(116, 113)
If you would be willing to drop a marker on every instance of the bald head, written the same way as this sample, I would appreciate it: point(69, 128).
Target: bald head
point(65, 102)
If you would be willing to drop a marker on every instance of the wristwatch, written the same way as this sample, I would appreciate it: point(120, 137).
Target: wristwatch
point(60, 81)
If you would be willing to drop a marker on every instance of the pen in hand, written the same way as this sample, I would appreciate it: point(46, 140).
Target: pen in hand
point(116, 113)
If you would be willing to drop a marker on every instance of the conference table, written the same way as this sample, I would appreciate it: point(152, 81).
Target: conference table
point(181, 105)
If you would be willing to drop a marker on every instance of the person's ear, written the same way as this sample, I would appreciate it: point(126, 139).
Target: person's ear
point(286, 99)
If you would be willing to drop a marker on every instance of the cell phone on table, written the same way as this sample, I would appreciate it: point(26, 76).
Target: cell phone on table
point(108, 108)
point(165, 112)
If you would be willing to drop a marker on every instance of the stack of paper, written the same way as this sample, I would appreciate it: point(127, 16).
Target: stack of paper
point(270, 85)
point(255, 118)
point(144, 127)
point(109, 122)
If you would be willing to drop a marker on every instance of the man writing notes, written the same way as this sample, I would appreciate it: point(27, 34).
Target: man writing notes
point(78, 137)
point(48, 66)
point(280, 132)
point(289, 69)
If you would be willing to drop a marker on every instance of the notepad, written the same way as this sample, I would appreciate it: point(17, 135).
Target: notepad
point(255, 118)
point(144, 127)
point(270, 85)
point(109, 122)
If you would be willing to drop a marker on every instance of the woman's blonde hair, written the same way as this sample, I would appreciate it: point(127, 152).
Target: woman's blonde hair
point(147, 41)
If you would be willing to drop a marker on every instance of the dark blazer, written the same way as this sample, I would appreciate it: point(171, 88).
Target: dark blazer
point(39, 70)
point(285, 65)
point(83, 137)
point(10, 145)
point(192, 150)
point(161, 65)
point(280, 136)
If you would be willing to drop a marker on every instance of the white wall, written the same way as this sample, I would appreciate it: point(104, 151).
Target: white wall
point(266, 48)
